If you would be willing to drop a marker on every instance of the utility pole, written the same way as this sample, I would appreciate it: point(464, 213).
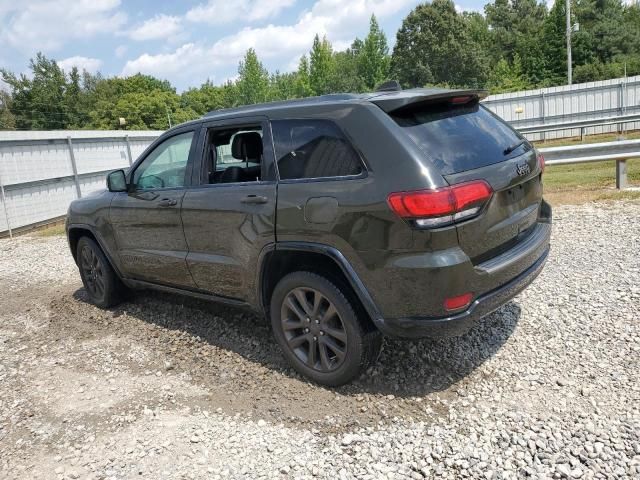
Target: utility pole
point(568, 9)
point(168, 117)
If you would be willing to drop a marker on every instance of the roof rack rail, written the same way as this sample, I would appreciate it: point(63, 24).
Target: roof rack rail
point(390, 86)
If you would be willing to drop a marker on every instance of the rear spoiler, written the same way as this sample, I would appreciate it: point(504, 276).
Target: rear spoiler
point(398, 101)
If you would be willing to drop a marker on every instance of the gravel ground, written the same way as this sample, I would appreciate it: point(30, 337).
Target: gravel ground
point(167, 387)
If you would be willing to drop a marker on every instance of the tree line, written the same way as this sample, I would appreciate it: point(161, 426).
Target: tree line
point(515, 45)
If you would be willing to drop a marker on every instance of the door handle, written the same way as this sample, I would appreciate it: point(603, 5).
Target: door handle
point(167, 202)
point(254, 199)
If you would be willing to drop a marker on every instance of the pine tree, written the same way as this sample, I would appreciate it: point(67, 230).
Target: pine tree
point(253, 81)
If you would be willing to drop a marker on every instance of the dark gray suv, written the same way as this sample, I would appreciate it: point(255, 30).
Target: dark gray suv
point(340, 218)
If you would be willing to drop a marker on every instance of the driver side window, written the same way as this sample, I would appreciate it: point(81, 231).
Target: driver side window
point(166, 165)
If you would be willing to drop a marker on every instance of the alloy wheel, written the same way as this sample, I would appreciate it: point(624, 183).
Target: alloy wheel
point(93, 270)
point(313, 329)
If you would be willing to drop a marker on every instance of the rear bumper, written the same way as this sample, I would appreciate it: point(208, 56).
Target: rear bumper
point(457, 324)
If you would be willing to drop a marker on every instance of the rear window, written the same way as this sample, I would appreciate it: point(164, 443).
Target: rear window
point(313, 149)
point(460, 137)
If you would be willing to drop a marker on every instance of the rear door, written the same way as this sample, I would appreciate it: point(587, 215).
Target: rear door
point(229, 213)
point(465, 141)
point(146, 219)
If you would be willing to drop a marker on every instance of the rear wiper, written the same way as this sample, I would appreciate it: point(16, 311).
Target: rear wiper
point(511, 148)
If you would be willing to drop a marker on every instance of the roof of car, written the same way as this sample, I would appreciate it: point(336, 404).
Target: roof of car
point(387, 100)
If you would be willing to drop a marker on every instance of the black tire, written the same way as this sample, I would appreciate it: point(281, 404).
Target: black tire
point(329, 348)
point(103, 286)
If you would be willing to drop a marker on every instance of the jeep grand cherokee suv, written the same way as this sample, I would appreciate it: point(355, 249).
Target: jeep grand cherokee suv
point(340, 218)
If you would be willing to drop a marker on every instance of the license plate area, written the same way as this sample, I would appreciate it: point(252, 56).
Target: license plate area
point(514, 194)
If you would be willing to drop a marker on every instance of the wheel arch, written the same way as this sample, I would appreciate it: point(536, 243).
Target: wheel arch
point(277, 260)
point(76, 231)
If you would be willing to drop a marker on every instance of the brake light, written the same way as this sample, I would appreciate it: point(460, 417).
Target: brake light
point(456, 303)
point(461, 100)
point(541, 162)
point(442, 206)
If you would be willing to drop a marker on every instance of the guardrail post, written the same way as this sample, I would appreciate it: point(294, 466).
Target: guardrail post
point(621, 174)
point(6, 210)
point(582, 134)
point(74, 167)
point(126, 139)
point(543, 136)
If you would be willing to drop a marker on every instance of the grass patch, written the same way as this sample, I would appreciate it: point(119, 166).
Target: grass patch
point(587, 176)
point(51, 231)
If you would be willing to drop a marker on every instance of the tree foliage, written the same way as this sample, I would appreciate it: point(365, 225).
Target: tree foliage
point(434, 46)
point(514, 45)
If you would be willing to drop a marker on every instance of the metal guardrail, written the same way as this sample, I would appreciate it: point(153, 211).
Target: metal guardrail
point(592, 122)
point(581, 124)
point(619, 152)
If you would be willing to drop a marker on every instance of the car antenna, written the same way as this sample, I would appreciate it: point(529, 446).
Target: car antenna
point(390, 86)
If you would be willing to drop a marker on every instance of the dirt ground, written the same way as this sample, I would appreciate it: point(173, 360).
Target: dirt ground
point(169, 387)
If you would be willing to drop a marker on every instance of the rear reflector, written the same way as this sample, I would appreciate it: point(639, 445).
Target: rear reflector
point(442, 206)
point(456, 303)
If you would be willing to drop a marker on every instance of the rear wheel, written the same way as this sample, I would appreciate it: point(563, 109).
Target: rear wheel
point(319, 331)
point(100, 281)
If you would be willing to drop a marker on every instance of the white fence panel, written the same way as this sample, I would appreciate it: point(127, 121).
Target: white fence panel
point(92, 156)
point(38, 161)
point(569, 103)
point(36, 169)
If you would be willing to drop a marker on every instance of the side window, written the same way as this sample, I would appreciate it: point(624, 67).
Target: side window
point(313, 149)
point(165, 166)
point(234, 155)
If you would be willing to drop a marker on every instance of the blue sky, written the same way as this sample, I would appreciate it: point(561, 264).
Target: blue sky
point(189, 41)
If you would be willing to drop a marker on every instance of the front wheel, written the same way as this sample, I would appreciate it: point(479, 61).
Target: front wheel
point(319, 331)
point(100, 281)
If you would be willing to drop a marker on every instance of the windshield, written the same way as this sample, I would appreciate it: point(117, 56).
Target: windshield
point(460, 137)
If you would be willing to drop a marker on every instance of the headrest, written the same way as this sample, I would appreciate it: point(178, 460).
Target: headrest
point(247, 145)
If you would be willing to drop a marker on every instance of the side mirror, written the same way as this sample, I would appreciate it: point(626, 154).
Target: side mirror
point(117, 181)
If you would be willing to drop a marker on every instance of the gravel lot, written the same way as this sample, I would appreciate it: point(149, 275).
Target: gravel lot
point(167, 387)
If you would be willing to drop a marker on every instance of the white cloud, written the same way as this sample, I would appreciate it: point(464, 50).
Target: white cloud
point(120, 51)
point(333, 18)
point(188, 60)
point(83, 63)
point(46, 25)
point(160, 26)
point(217, 12)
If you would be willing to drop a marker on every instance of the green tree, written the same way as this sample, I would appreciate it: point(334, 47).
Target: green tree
point(321, 67)
point(554, 48)
point(303, 79)
point(282, 86)
point(373, 57)
point(508, 77)
point(253, 81)
point(7, 119)
point(206, 98)
point(514, 27)
point(38, 102)
point(347, 72)
point(434, 45)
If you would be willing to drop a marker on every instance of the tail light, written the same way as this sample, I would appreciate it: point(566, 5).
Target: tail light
point(541, 162)
point(442, 206)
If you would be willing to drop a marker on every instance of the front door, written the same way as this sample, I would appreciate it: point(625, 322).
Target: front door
point(229, 217)
point(146, 219)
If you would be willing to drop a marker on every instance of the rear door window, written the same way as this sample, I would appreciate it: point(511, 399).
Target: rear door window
point(460, 137)
point(313, 149)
